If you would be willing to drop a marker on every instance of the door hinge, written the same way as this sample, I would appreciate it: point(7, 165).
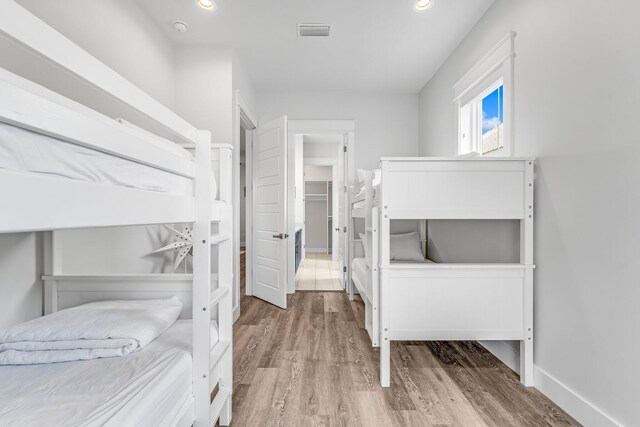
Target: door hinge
point(344, 268)
point(344, 188)
point(344, 148)
point(344, 229)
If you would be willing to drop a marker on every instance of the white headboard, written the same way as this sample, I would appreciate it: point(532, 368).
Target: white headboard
point(71, 290)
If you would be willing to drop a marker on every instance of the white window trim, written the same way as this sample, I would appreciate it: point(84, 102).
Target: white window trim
point(495, 65)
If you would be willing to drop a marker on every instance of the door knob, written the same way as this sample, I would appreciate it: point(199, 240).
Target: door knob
point(280, 236)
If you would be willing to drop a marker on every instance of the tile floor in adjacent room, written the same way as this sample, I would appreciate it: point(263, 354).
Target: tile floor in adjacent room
point(318, 272)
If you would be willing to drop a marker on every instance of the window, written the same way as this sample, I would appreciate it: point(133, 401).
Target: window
point(482, 121)
point(483, 98)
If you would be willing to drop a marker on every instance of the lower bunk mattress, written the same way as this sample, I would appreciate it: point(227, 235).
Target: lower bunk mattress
point(361, 273)
point(151, 387)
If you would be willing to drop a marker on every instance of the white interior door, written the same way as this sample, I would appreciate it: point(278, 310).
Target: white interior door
point(270, 213)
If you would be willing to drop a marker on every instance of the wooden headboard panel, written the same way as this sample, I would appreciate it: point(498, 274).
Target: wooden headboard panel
point(65, 291)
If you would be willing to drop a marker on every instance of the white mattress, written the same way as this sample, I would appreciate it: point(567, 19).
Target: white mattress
point(23, 150)
point(147, 388)
point(360, 270)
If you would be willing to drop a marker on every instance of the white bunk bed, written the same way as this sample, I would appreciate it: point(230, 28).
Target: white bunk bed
point(101, 188)
point(450, 301)
point(363, 272)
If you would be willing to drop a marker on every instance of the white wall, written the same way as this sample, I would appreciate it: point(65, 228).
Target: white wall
point(242, 82)
point(576, 109)
point(118, 33)
point(386, 125)
point(21, 268)
point(318, 173)
point(314, 150)
point(204, 91)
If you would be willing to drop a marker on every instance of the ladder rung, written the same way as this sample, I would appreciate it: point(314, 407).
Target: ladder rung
point(218, 294)
point(217, 404)
point(219, 238)
point(218, 351)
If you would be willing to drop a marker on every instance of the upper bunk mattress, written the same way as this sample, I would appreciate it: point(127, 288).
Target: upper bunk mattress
point(27, 151)
point(148, 388)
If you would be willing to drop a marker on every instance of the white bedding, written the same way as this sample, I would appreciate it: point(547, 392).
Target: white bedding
point(89, 331)
point(23, 150)
point(146, 388)
point(360, 270)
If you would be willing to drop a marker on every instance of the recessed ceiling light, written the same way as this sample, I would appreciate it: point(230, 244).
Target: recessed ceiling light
point(180, 26)
point(421, 5)
point(209, 5)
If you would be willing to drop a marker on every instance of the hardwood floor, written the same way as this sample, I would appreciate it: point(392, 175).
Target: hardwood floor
point(313, 365)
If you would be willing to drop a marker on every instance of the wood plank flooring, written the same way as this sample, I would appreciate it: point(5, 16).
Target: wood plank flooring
point(313, 365)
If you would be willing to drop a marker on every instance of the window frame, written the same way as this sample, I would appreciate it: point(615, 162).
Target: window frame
point(484, 77)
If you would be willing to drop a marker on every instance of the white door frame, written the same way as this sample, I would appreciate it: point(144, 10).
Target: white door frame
point(245, 119)
point(345, 128)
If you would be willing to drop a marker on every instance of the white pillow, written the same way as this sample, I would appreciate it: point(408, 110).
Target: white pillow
point(366, 245)
point(406, 247)
point(362, 175)
point(377, 177)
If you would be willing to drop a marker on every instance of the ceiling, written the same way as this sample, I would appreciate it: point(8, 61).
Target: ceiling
point(376, 46)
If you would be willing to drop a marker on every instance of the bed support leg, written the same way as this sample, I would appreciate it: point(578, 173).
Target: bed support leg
point(526, 345)
point(385, 362)
point(384, 295)
point(385, 340)
point(227, 369)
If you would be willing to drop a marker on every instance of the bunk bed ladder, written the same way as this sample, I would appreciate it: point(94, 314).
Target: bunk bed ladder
point(211, 364)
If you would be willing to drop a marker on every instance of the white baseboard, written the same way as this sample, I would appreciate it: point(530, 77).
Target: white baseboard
point(575, 405)
point(571, 402)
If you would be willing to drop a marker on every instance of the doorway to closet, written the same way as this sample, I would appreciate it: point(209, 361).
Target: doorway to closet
point(317, 266)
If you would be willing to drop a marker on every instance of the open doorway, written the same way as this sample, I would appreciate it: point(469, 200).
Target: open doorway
point(244, 125)
point(317, 229)
point(321, 170)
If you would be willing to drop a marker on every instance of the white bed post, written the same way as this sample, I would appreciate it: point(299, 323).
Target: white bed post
point(375, 275)
point(202, 280)
point(526, 258)
point(351, 246)
point(52, 267)
point(226, 253)
point(385, 341)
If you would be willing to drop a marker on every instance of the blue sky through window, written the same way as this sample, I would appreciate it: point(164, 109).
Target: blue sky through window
point(492, 110)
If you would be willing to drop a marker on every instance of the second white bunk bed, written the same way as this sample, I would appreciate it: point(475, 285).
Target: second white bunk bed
point(424, 301)
point(43, 189)
point(364, 254)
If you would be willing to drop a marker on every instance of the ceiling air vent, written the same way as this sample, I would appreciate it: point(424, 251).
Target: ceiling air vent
point(314, 30)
